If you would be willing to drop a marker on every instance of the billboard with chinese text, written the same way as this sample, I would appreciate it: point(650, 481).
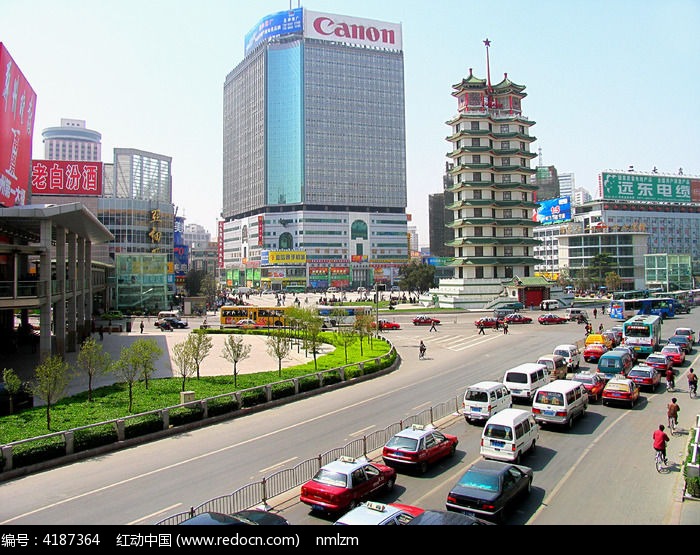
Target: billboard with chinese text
point(63, 177)
point(554, 211)
point(17, 109)
point(274, 25)
point(650, 187)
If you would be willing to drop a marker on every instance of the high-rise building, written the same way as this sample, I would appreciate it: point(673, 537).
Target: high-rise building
point(72, 141)
point(314, 153)
point(493, 194)
point(580, 196)
point(567, 184)
point(547, 181)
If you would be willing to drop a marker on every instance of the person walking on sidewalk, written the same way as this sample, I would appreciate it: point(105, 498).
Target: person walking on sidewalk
point(141, 326)
point(505, 328)
point(432, 326)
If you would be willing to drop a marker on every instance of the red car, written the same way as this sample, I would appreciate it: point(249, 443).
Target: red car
point(593, 383)
point(676, 353)
point(551, 319)
point(387, 325)
point(517, 318)
point(594, 351)
point(341, 485)
point(645, 376)
point(621, 390)
point(660, 362)
point(418, 447)
point(487, 322)
point(425, 321)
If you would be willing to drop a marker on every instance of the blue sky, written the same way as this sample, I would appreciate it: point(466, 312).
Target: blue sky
point(610, 83)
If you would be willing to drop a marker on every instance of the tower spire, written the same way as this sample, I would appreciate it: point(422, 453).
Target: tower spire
point(487, 42)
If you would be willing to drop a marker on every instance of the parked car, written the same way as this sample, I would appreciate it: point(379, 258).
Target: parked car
point(425, 321)
point(489, 489)
point(551, 318)
point(660, 362)
point(594, 351)
point(517, 318)
point(487, 322)
point(387, 325)
point(380, 514)
point(645, 376)
point(342, 484)
point(676, 353)
point(248, 517)
point(690, 332)
point(621, 390)
point(417, 447)
point(682, 341)
point(593, 383)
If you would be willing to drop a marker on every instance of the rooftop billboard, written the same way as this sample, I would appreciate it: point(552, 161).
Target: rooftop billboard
point(17, 109)
point(274, 25)
point(554, 211)
point(649, 187)
point(62, 177)
point(352, 30)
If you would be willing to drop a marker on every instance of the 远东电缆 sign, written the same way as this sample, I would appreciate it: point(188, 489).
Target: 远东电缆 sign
point(655, 188)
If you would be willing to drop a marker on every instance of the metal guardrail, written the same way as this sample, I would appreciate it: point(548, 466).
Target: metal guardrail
point(257, 494)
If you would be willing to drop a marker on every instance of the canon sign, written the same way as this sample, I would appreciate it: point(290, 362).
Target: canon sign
point(352, 30)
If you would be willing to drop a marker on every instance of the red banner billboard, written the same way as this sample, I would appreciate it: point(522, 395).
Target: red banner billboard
point(17, 109)
point(66, 177)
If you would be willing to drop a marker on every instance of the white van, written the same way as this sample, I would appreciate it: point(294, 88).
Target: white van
point(484, 399)
point(560, 402)
point(550, 304)
point(525, 379)
point(169, 314)
point(574, 313)
point(508, 435)
point(571, 353)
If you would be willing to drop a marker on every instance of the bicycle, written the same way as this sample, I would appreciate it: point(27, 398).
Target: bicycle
point(693, 390)
point(672, 425)
point(661, 464)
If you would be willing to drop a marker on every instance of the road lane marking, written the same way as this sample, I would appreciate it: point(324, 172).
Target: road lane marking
point(277, 465)
point(164, 509)
point(359, 432)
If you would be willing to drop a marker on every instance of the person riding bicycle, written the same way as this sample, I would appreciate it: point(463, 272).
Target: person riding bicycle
point(660, 440)
point(672, 411)
point(670, 379)
point(692, 381)
point(422, 349)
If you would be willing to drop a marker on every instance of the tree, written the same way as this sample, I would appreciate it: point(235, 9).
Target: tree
point(93, 361)
point(183, 357)
point(50, 382)
point(235, 351)
point(146, 352)
point(200, 344)
point(600, 265)
point(193, 281)
point(312, 337)
point(416, 276)
point(128, 368)
point(347, 336)
point(363, 325)
point(613, 281)
point(13, 385)
point(278, 347)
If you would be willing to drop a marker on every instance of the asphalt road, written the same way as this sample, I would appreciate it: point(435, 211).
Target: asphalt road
point(601, 472)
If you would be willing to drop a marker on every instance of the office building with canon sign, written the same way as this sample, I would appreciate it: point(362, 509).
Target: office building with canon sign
point(314, 154)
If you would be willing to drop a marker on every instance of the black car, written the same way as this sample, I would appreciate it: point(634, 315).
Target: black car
point(21, 400)
point(488, 488)
point(249, 517)
point(682, 341)
point(175, 323)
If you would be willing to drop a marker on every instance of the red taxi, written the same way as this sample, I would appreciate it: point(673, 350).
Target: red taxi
point(621, 390)
point(676, 353)
point(487, 322)
point(341, 485)
point(594, 351)
point(418, 447)
point(517, 318)
point(645, 376)
point(593, 383)
point(551, 319)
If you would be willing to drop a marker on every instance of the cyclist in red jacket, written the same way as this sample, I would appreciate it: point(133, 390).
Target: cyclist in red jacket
point(660, 441)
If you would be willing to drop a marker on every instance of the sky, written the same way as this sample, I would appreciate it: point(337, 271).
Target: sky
point(609, 83)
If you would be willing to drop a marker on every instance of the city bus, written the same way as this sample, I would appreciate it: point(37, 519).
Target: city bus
point(643, 333)
point(624, 309)
point(682, 298)
point(334, 316)
point(264, 316)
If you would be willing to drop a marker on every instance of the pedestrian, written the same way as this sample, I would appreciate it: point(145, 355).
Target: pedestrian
point(505, 328)
point(595, 313)
point(498, 324)
point(102, 333)
point(432, 326)
point(481, 329)
point(601, 328)
point(109, 328)
point(141, 326)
